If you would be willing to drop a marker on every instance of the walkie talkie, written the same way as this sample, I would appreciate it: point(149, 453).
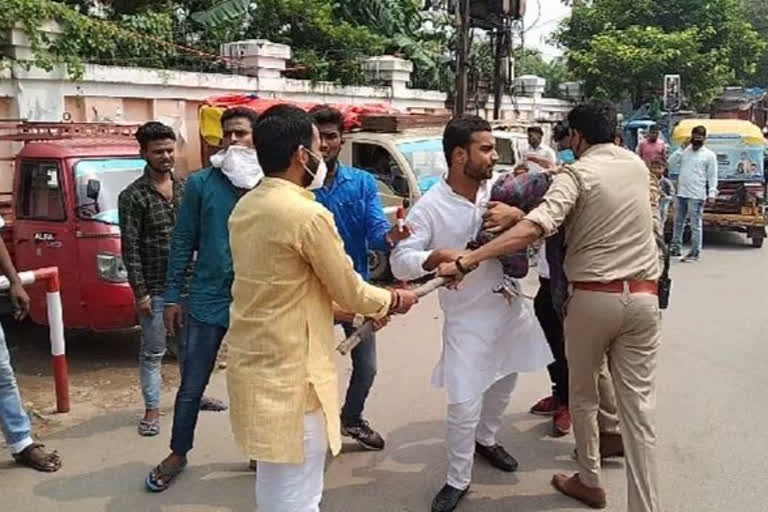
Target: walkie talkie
point(665, 282)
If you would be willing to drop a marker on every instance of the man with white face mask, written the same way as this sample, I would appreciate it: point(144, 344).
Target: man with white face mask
point(290, 271)
point(201, 226)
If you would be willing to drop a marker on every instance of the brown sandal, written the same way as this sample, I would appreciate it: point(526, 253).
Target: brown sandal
point(33, 456)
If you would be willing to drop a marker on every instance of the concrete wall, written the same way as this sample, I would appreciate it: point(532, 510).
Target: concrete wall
point(119, 94)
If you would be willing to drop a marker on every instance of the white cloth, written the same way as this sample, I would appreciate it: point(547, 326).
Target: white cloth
point(296, 487)
point(542, 266)
point(697, 172)
point(485, 336)
point(240, 164)
point(542, 151)
point(476, 420)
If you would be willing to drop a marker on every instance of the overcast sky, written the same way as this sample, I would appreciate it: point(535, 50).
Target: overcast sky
point(541, 19)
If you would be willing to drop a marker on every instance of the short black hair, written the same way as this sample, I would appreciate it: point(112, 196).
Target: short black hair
point(281, 109)
point(654, 128)
point(326, 114)
point(152, 131)
point(281, 130)
point(244, 112)
point(536, 129)
point(559, 132)
point(596, 120)
point(458, 133)
point(701, 130)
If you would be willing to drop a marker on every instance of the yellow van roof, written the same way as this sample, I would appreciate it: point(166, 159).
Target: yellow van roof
point(750, 133)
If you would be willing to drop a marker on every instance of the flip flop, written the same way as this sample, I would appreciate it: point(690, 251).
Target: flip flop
point(149, 428)
point(212, 404)
point(160, 478)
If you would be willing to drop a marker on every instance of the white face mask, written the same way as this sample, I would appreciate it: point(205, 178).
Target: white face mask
point(240, 164)
point(318, 177)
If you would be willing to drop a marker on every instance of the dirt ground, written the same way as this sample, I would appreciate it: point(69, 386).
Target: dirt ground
point(103, 373)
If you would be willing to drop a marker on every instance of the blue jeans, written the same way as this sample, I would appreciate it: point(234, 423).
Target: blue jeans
point(692, 210)
point(13, 419)
point(361, 381)
point(201, 345)
point(151, 353)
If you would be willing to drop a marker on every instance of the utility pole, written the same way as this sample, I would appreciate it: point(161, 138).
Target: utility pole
point(498, 72)
point(460, 104)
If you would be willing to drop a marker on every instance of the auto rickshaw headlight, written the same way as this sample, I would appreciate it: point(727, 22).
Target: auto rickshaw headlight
point(111, 268)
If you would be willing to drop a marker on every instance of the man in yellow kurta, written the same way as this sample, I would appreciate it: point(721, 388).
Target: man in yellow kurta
point(290, 268)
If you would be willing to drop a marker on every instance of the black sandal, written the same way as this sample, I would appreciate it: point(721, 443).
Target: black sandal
point(49, 463)
point(160, 478)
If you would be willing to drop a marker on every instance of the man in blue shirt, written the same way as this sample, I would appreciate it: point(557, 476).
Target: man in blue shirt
point(202, 228)
point(352, 196)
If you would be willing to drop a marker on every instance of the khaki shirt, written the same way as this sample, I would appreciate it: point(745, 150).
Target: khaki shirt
point(609, 224)
point(290, 267)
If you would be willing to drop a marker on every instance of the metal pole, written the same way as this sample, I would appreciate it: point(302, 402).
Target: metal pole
point(498, 79)
point(50, 275)
point(460, 105)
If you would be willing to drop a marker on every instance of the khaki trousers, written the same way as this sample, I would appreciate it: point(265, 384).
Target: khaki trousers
point(625, 330)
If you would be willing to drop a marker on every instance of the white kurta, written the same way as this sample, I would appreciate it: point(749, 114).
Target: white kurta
point(485, 337)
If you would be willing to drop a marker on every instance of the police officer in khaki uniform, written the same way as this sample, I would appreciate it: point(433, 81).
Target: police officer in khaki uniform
point(612, 263)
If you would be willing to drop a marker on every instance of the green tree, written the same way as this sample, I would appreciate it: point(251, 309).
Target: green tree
point(758, 13)
point(329, 39)
point(621, 48)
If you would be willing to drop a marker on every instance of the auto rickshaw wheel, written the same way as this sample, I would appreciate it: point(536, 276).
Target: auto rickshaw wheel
point(757, 242)
point(378, 263)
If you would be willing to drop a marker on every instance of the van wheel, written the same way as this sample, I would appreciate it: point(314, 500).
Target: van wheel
point(378, 263)
point(757, 242)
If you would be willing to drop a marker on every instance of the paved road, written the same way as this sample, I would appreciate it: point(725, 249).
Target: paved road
point(711, 410)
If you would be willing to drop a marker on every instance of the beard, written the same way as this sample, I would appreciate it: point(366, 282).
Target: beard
point(478, 173)
point(162, 171)
point(697, 144)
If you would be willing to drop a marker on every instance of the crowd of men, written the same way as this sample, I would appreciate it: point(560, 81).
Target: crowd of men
point(266, 249)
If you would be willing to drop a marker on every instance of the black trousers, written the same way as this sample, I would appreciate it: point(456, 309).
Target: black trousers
point(553, 331)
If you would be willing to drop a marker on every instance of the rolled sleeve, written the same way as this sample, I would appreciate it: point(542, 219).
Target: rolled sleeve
point(408, 257)
point(557, 204)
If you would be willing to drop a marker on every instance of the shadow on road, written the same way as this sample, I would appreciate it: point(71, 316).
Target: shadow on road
point(398, 479)
point(222, 486)
point(401, 467)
